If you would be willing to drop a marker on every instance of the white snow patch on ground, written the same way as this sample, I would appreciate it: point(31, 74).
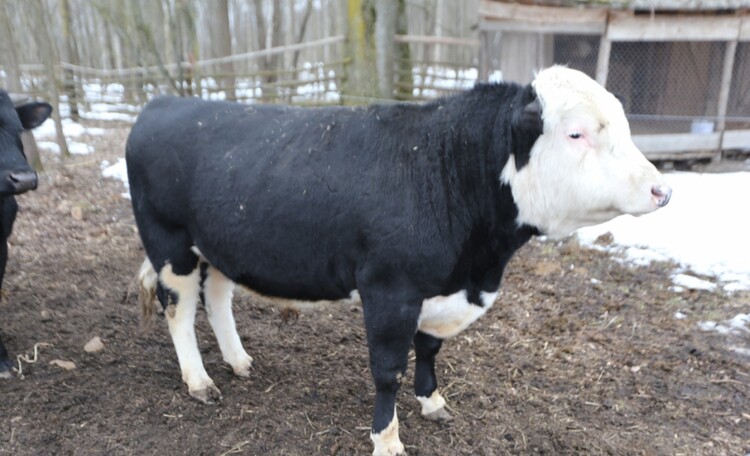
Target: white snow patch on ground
point(117, 171)
point(703, 229)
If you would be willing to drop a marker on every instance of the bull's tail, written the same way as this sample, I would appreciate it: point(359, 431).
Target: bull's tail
point(147, 281)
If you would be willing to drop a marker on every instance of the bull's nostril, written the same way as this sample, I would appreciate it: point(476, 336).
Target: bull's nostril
point(22, 181)
point(661, 194)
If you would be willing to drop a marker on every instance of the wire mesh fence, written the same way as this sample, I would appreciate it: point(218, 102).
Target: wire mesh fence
point(738, 108)
point(668, 87)
point(665, 87)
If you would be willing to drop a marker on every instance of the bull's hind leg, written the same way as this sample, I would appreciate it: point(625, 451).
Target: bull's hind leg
point(217, 294)
point(179, 293)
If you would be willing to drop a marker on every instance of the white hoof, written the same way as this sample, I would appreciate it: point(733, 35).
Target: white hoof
point(242, 367)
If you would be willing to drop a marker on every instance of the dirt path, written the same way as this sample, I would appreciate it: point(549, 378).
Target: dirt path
point(580, 355)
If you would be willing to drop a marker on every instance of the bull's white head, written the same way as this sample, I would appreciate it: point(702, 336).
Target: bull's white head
point(584, 168)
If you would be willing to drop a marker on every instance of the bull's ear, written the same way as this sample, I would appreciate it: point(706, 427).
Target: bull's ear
point(526, 127)
point(33, 114)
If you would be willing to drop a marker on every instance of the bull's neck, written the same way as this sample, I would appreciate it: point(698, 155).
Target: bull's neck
point(474, 156)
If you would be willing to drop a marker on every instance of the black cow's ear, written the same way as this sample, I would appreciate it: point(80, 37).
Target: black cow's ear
point(526, 127)
point(33, 114)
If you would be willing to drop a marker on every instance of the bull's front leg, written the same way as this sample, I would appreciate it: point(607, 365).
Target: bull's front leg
point(217, 292)
point(391, 324)
point(426, 348)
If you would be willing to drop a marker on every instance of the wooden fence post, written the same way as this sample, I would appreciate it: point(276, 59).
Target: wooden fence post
point(726, 83)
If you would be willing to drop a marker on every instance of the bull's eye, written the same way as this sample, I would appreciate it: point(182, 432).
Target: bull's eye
point(575, 134)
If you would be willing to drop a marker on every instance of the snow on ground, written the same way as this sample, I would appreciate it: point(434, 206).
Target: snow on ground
point(46, 136)
point(704, 229)
point(117, 171)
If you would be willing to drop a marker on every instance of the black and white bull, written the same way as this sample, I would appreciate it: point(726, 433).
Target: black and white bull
point(16, 176)
point(418, 207)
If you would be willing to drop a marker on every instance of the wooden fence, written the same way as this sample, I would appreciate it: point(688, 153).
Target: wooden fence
point(127, 89)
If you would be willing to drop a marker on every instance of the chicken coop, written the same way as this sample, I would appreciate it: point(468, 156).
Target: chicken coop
point(680, 68)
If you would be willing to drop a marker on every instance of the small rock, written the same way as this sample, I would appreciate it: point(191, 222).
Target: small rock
point(64, 207)
point(94, 345)
point(77, 213)
point(45, 315)
point(605, 239)
point(67, 365)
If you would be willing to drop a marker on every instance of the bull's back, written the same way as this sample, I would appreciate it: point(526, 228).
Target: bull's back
point(277, 198)
point(178, 145)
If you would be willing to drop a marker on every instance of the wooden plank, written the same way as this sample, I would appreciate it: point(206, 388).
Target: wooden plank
point(484, 55)
point(625, 26)
point(448, 40)
point(679, 142)
point(516, 17)
point(736, 139)
point(726, 81)
point(678, 156)
point(491, 10)
point(602, 60)
point(509, 25)
point(745, 29)
point(208, 62)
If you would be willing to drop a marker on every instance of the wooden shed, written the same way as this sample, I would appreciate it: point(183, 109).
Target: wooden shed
point(681, 67)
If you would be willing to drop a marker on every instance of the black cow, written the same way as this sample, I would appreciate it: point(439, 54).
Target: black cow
point(16, 176)
point(418, 207)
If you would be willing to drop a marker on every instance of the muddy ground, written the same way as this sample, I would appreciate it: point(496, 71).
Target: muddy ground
point(562, 365)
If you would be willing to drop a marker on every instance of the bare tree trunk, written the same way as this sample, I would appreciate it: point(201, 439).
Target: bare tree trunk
point(221, 44)
point(440, 15)
point(302, 28)
point(260, 32)
point(192, 47)
point(273, 60)
point(10, 56)
point(385, 30)
point(404, 75)
point(360, 79)
point(45, 42)
point(13, 83)
point(69, 83)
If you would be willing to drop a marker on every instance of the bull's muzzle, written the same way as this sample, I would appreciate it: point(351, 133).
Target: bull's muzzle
point(661, 194)
point(22, 181)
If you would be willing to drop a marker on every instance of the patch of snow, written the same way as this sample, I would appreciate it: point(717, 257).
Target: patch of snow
point(117, 171)
point(75, 148)
point(49, 145)
point(740, 323)
point(80, 148)
point(692, 282)
point(692, 230)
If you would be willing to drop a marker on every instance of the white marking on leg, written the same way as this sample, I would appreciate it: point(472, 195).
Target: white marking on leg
point(431, 404)
point(217, 291)
point(446, 316)
point(387, 442)
point(181, 324)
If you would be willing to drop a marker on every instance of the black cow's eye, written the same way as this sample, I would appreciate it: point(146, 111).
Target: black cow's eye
point(575, 134)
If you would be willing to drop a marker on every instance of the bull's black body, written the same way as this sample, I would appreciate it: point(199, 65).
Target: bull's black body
point(401, 202)
point(16, 176)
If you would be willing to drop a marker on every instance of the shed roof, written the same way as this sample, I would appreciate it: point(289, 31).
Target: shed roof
point(646, 5)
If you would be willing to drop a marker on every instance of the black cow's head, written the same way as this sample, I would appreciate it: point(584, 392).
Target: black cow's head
point(16, 176)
